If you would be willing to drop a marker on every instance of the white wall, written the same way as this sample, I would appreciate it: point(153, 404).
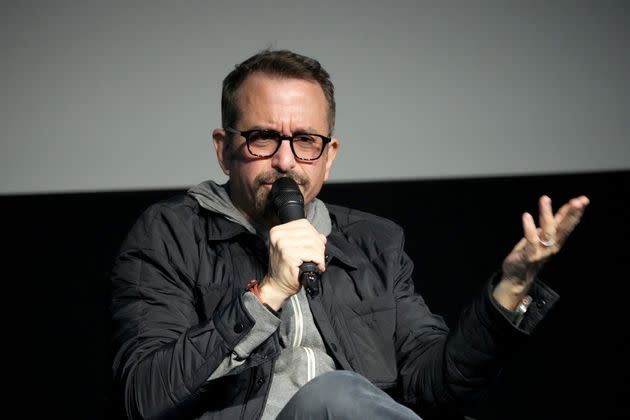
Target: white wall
point(102, 95)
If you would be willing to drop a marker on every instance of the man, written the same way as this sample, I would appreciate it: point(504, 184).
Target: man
point(195, 337)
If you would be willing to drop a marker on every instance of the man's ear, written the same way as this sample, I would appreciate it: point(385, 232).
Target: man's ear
point(222, 148)
point(331, 153)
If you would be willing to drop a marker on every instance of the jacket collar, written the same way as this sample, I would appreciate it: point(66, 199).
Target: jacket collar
point(338, 248)
point(219, 228)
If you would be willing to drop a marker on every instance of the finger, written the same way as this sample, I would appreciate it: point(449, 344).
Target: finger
point(520, 245)
point(546, 218)
point(301, 243)
point(582, 201)
point(294, 229)
point(294, 224)
point(529, 230)
point(562, 213)
point(292, 255)
point(576, 207)
point(313, 252)
point(298, 241)
point(321, 263)
point(574, 213)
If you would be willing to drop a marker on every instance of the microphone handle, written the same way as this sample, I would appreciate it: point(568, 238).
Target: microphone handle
point(309, 278)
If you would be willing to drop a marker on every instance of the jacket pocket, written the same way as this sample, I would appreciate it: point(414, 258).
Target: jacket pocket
point(371, 325)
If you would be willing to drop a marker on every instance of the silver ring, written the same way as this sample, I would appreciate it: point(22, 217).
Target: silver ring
point(548, 243)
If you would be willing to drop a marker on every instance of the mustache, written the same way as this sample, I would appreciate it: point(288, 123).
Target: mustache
point(272, 176)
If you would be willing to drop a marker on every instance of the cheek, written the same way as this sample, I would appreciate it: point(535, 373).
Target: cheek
point(247, 174)
point(316, 177)
point(239, 180)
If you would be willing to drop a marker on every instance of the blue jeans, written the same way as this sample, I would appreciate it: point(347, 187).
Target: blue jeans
point(343, 395)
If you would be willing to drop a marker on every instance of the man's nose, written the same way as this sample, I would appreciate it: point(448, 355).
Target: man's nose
point(283, 160)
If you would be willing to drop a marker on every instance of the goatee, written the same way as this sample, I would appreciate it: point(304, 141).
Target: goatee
point(264, 211)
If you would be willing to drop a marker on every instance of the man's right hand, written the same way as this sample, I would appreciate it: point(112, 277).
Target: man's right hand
point(290, 245)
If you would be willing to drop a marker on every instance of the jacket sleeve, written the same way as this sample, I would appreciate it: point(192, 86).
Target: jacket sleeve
point(163, 355)
point(438, 365)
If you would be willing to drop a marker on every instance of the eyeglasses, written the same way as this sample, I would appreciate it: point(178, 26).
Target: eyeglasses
point(265, 143)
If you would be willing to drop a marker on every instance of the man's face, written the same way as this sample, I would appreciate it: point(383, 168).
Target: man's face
point(285, 105)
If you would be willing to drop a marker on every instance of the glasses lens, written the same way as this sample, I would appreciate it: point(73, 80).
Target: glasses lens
point(263, 143)
point(307, 146)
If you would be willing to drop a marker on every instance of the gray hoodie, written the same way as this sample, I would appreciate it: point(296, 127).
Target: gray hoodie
point(303, 355)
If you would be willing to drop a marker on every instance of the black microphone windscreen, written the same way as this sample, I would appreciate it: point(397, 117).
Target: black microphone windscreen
point(287, 199)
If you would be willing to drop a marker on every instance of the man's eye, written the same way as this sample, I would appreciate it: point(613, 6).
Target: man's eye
point(263, 136)
point(305, 139)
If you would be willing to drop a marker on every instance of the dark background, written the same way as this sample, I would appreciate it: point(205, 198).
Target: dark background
point(61, 248)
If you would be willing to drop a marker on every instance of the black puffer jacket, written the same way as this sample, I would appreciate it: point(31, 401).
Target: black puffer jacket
point(177, 313)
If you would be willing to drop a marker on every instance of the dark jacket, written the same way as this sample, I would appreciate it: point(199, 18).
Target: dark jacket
point(177, 313)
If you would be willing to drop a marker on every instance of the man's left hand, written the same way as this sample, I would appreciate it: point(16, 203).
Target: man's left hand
point(522, 265)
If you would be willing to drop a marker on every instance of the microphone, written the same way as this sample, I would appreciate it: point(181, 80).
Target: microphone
point(288, 201)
